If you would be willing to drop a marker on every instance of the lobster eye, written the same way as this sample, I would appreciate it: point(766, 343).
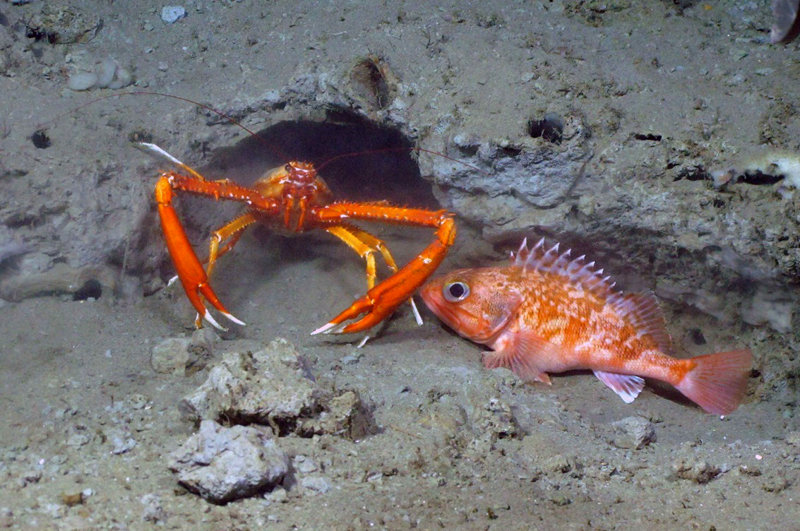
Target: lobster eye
point(455, 291)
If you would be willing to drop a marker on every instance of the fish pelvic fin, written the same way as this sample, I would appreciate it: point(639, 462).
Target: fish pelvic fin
point(718, 382)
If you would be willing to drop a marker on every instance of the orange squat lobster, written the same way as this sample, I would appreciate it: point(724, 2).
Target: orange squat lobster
point(293, 199)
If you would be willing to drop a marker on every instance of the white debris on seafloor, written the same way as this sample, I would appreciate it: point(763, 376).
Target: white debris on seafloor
point(107, 74)
point(776, 162)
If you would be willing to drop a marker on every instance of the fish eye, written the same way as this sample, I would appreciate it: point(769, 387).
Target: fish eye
point(455, 291)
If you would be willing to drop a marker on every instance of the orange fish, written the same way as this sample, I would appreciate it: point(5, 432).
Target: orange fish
point(547, 312)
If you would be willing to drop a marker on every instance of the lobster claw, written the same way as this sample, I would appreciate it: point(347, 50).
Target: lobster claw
point(190, 271)
point(380, 301)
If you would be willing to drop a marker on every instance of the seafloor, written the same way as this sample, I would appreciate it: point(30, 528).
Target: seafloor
point(685, 112)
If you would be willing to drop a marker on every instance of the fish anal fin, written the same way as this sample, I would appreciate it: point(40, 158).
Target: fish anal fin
point(627, 386)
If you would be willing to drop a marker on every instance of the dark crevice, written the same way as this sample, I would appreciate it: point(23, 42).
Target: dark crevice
point(650, 137)
point(550, 128)
point(91, 289)
point(759, 178)
point(693, 173)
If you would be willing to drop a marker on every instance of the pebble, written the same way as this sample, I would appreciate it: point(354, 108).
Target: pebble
point(633, 433)
point(172, 14)
point(105, 72)
point(170, 356)
point(317, 484)
point(121, 442)
point(82, 81)
point(153, 510)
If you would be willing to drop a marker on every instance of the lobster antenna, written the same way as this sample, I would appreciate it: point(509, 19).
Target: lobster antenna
point(233, 121)
point(209, 108)
point(397, 149)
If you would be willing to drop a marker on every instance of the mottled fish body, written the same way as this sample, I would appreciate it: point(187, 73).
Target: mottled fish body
point(547, 312)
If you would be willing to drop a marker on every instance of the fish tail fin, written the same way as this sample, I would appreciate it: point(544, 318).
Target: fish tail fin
point(717, 382)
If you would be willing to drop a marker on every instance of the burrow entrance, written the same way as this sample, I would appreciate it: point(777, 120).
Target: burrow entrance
point(359, 160)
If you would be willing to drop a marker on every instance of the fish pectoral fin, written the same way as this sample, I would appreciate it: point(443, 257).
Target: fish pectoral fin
point(526, 354)
point(627, 386)
point(517, 362)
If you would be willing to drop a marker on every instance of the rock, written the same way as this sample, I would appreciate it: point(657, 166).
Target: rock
point(121, 441)
point(699, 471)
point(258, 384)
point(632, 432)
point(82, 81)
point(172, 14)
point(201, 349)
point(343, 415)
point(171, 356)
point(222, 464)
point(153, 511)
point(105, 72)
point(60, 279)
point(315, 484)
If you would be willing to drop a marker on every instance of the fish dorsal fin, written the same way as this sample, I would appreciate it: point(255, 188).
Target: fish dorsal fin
point(642, 311)
point(577, 271)
point(627, 386)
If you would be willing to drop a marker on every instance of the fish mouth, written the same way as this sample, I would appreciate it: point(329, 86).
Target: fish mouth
point(432, 297)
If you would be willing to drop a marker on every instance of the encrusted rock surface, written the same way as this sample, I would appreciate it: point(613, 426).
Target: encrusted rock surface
point(226, 463)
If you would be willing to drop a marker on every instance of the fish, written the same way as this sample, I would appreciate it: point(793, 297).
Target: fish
point(547, 312)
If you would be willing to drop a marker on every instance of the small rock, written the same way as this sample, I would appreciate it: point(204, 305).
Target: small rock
point(316, 484)
point(121, 442)
point(153, 511)
point(82, 81)
point(304, 465)
point(71, 499)
point(105, 72)
point(775, 481)
point(6, 517)
point(172, 14)
point(633, 433)
point(700, 472)
point(343, 415)
point(278, 495)
point(201, 349)
point(223, 464)
point(170, 356)
point(122, 78)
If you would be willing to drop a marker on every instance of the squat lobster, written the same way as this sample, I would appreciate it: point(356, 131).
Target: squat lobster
point(291, 199)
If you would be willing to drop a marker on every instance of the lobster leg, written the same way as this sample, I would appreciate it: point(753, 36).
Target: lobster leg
point(381, 300)
point(366, 245)
point(189, 269)
point(233, 230)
